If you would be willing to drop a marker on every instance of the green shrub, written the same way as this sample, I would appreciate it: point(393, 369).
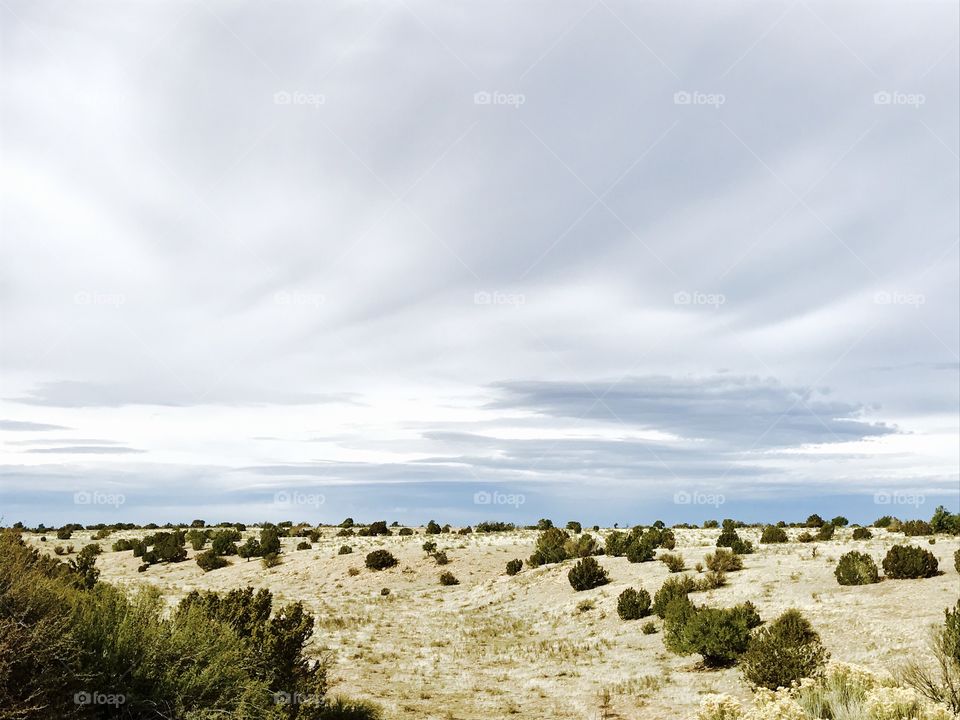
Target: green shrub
point(826, 532)
point(380, 560)
point(783, 653)
point(344, 550)
point(815, 521)
point(909, 561)
point(64, 534)
point(944, 521)
point(711, 581)
point(862, 533)
point(514, 566)
point(742, 547)
point(649, 628)
point(587, 574)
point(883, 522)
point(719, 635)
point(723, 560)
point(840, 521)
point(574, 526)
point(209, 560)
point(773, 534)
point(856, 568)
point(580, 547)
point(915, 528)
point(747, 612)
point(197, 539)
point(346, 532)
point(672, 588)
point(304, 545)
point(641, 550)
point(448, 578)
point(441, 557)
point(550, 547)
point(633, 604)
point(251, 548)
point(314, 536)
point(269, 541)
point(433, 528)
point(404, 532)
point(270, 560)
point(223, 542)
point(956, 561)
point(674, 563)
point(710, 524)
point(429, 547)
point(805, 537)
point(121, 545)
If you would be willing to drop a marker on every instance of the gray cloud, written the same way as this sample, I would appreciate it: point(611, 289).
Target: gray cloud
point(86, 450)
point(24, 426)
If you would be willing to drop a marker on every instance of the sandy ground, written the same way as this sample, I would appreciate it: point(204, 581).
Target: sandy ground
point(496, 646)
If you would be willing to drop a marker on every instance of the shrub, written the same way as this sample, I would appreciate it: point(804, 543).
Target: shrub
point(380, 560)
point(709, 524)
point(353, 572)
point(711, 581)
point(730, 539)
point(344, 550)
point(574, 526)
point(640, 550)
point(672, 588)
point(378, 528)
point(270, 560)
point(941, 684)
point(826, 532)
point(773, 534)
point(441, 558)
point(723, 561)
point(209, 560)
point(404, 532)
point(269, 541)
point(720, 635)
point(251, 548)
point(197, 539)
point(909, 561)
point(649, 628)
point(956, 561)
point(856, 568)
point(885, 521)
point(433, 528)
point(673, 562)
point(314, 536)
point(64, 534)
point(448, 578)
point(633, 604)
point(839, 521)
point(587, 574)
point(944, 521)
point(742, 547)
point(304, 545)
point(784, 652)
point(616, 544)
point(862, 533)
point(815, 521)
point(747, 612)
point(915, 528)
point(429, 547)
point(514, 566)
point(549, 547)
point(345, 532)
point(581, 547)
point(805, 537)
point(121, 545)
point(223, 542)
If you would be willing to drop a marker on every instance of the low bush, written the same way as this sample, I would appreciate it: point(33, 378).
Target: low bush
point(429, 547)
point(550, 547)
point(784, 652)
point(719, 635)
point(826, 532)
point(723, 560)
point(633, 604)
point(581, 546)
point(404, 532)
point(805, 537)
point(64, 534)
point(915, 528)
point(304, 545)
point(270, 560)
point(380, 560)
point(773, 534)
point(649, 628)
point(956, 561)
point(711, 581)
point(448, 578)
point(672, 588)
point(209, 560)
point(862, 533)
point(433, 528)
point(855, 568)
point(908, 562)
point(674, 563)
point(121, 545)
point(441, 557)
point(587, 574)
point(344, 550)
point(574, 527)
point(514, 566)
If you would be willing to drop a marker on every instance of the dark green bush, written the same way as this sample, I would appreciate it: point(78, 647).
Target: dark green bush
point(270, 560)
point(944, 521)
point(269, 541)
point(672, 588)
point(197, 539)
point(209, 560)
point(251, 548)
point(64, 534)
point(404, 531)
point(304, 545)
point(805, 537)
point(581, 546)
point(915, 528)
point(223, 542)
point(633, 604)
point(380, 560)
point(885, 521)
point(433, 528)
point(448, 578)
point(587, 574)
point(441, 557)
point(344, 550)
point(514, 566)
point(720, 635)
point(549, 548)
point(711, 581)
point(574, 526)
point(815, 521)
point(641, 550)
point(826, 532)
point(861, 533)
point(839, 521)
point(956, 561)
point(783, 653)
point(121, 545)
point(856, 568)
point(909, 561)
point(773, 534)
point(429, 547)
point(649, 628)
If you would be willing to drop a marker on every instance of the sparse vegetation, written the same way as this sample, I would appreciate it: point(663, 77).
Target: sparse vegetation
point(633, 604)
point(784, 652)
point(855, 568)
point(909, 562)
point(448, 578)
point(674, 563)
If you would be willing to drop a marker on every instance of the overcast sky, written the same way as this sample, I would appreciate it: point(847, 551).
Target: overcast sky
point(412, 260)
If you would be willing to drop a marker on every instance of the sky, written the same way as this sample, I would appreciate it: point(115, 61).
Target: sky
point(408, 260)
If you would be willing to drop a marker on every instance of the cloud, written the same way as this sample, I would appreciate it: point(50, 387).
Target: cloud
point(86, 450)
point(24, 426)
